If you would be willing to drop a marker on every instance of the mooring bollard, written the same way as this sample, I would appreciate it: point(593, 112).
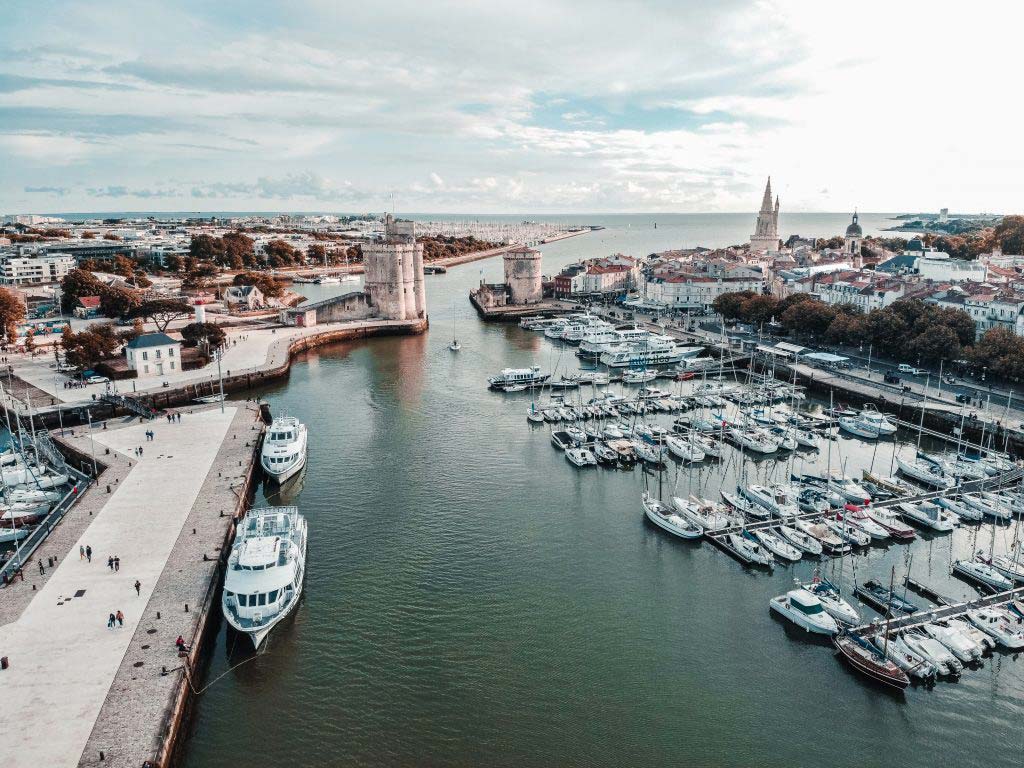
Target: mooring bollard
point(186, 607)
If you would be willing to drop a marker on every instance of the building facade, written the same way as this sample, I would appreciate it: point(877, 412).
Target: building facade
point(153, 354)
point(48, 268)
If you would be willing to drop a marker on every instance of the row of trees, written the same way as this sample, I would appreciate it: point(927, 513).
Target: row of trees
point(906, 329)
point(103, 341)
point(119, 302)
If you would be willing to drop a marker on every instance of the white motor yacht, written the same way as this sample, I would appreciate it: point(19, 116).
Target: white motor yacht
point(934, 652)
point(961, 646)
point(512, 377)
point(284, 448)
point(855, 424)
point(805, 610)
point(775, 499)
point(897, 651)
point(1006, 629)
point(872, 416)
point(832, 599)
point(581, 457)
point(265, 570)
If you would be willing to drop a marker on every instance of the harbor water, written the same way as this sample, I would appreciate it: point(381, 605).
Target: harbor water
point(474, 599)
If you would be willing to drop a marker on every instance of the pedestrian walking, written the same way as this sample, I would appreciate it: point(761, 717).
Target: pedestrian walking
point(40, 567)
point(81, 552)
point(138, 588)
point(120, 619)
point(110, 621)
point(110, 562)
point(117, 564)
point(88, 553)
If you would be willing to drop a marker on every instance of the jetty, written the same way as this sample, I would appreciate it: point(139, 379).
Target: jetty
point(101, 695)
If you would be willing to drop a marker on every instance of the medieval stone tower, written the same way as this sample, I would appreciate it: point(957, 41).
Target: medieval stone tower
point(523, 275)
point(394, 272)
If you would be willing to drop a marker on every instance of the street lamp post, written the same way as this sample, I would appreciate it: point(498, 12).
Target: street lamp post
point(220, 377)
point(92, 443)
point(941, 362)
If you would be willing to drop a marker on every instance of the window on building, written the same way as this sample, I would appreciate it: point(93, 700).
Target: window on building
point(158, 355)
point(145, 355)
point(172, 365)
point(170, 352)
point(145, 369)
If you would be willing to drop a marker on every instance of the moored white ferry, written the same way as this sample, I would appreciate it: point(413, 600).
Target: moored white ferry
point(265, 571)
point(514, 377)
point(654, 350)
point(597, 342)
point(284, 448)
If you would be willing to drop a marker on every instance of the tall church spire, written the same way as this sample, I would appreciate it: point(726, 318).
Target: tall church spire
point(766, 230)
point(766, 204)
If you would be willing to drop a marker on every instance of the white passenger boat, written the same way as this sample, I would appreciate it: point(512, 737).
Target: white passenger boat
point(511, 377)
point(265, 570)
point(924, 472)
point(284, 448)
point(805, 610)
point(928, 514)
point(666, 518)
point(1007, 630)
point(654, 350)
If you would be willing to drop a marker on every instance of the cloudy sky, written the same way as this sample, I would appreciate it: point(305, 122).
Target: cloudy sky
point(526, 106)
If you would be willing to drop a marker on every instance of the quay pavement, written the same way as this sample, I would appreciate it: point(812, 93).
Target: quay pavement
point(66, 664)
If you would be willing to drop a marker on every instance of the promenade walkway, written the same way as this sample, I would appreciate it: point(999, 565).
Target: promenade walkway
point(63, 657)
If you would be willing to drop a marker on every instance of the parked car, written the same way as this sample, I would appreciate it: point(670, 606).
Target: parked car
point(906, 368)
point(963, 398)
point(97, 380)
point(891, 378)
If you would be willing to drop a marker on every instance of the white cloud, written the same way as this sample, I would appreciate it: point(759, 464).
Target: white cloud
point(534, 106)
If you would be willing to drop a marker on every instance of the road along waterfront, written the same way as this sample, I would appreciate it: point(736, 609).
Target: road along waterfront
point(474, 599)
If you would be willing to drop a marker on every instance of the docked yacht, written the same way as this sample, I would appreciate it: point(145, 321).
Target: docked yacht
point(598, 341)
point(928, 514)
point(872, 416)
point(706, 514)
point(654, 350)
point(284, 448)
point(983, 573)
point(511, 377)
point(1006, 629)
point(832, 600)
point(777, 545)
point(855, 424)
point(754, 439)
point(805, 610)
point(265, 570)
point(775, 499)
point(683, 449)
point(924, 472)
point(666, 518)
point(800, 540)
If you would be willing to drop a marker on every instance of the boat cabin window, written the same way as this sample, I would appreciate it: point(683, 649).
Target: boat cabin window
point(262, 598)
point(243, 600)
point(810, 610)
point(273, 596)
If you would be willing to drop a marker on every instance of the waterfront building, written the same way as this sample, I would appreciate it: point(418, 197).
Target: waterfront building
point(153, 354)
point(766, 230)
point(42, 268)
point(245, 297)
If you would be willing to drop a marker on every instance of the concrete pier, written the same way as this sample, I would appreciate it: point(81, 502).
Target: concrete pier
point(82, 688)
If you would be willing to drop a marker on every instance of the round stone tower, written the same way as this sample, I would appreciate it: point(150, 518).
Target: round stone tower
point(394, 272)
point(523, 275)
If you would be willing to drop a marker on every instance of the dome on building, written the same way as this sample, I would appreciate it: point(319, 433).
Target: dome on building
point(854, 229)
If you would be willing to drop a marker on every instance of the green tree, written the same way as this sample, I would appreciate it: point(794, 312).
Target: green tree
point(206, 248)
point(90, 346)
point(935, 343)
point(887, 330)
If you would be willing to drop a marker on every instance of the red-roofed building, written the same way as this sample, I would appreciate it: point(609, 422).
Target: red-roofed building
point(88, 306)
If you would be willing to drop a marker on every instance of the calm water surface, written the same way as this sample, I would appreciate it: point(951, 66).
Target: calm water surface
point(473, 599)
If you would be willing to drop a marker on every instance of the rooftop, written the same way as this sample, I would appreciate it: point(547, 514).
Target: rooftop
point(151, 340)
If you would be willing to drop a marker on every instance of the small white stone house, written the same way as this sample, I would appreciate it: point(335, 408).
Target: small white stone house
point(153, 354)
